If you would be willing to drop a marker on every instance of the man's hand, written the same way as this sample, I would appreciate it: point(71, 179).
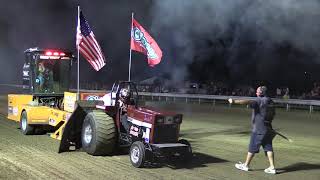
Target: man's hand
point(230, 100)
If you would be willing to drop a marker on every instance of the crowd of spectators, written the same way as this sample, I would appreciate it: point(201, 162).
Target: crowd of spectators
point(313, 94)
point(244, 90)
point(217, 88)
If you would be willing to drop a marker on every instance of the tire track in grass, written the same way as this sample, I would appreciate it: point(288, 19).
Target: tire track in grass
point(32, 158)
point(208, 135)
point(21, 166)
point(83, 160)
point(26, 139)
point(23, 145)
point(121, 164)
point(104, 163)
point(9, 169)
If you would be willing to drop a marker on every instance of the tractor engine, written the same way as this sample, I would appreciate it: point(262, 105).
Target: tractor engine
point(154, 126)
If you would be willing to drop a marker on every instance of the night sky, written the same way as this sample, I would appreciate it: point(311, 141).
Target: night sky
point(239, 42)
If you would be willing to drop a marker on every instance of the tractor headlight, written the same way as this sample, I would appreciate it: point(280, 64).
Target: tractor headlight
point(169, 120)
point(178, 119)
point(159, 119)
point(10, 110)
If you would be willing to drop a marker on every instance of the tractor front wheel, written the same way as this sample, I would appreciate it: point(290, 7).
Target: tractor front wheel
point(137, 154)
point(25, 128)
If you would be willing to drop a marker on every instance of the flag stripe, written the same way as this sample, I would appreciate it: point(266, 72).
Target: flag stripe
point(96, 46)
point(96, 50)
point(93, 38)
point(85, 47)
point(91, 50)
point(88, 45)
point(88, 57)
point(88, 53)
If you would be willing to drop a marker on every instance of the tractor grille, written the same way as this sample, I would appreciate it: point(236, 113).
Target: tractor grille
point(166, 133)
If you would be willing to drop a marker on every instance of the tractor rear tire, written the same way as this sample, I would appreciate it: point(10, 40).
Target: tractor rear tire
point(137, 154)
point(98, 135)
point(26, 128)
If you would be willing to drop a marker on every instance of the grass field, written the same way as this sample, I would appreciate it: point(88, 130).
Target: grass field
point(223, 133)
point(219, 137)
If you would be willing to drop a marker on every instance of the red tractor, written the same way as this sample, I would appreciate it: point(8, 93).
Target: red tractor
point(99, 128)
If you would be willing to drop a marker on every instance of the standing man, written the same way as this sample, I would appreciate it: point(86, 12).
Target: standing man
point(262, 132)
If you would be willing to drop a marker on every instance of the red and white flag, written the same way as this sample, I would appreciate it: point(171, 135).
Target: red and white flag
point(142, 42)
point(88, 45)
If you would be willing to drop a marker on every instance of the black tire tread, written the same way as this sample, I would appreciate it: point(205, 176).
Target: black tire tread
point(105, 133)
point(30, 130)
point(140, 145)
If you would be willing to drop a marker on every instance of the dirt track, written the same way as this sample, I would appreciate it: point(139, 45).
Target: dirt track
point(219, 139)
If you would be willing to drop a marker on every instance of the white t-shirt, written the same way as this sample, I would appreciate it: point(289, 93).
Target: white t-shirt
point(107, 101)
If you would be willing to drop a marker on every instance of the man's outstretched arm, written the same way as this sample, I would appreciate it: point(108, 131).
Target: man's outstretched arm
point(239, 101)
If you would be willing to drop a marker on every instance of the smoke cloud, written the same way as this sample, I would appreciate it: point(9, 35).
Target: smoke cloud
point(52, 24)
point(251, 32)
point(248, 37)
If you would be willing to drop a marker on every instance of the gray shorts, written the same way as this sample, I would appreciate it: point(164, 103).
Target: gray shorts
point(258, 140)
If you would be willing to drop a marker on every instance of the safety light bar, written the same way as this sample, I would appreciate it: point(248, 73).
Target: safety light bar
point(50, 53)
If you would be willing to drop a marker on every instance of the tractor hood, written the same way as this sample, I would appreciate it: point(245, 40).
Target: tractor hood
point(152, 111)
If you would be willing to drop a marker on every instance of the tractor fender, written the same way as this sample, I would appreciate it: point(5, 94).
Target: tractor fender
point(72, 132)
point(36, 114)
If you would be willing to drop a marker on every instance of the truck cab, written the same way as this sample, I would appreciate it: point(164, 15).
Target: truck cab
point(45, 78)
point(46, 71)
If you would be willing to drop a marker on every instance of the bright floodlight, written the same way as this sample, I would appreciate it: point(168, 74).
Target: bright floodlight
point(48, 53)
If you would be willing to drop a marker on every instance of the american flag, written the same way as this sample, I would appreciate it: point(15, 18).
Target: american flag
point(88, 45)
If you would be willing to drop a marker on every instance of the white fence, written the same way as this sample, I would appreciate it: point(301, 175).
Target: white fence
point(200, 98)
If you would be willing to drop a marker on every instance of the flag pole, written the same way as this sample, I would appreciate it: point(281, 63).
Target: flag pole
point(78, 54)
point(130, 47)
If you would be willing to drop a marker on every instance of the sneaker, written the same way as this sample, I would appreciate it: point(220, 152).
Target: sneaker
point(241, 166)
point(270, 170)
